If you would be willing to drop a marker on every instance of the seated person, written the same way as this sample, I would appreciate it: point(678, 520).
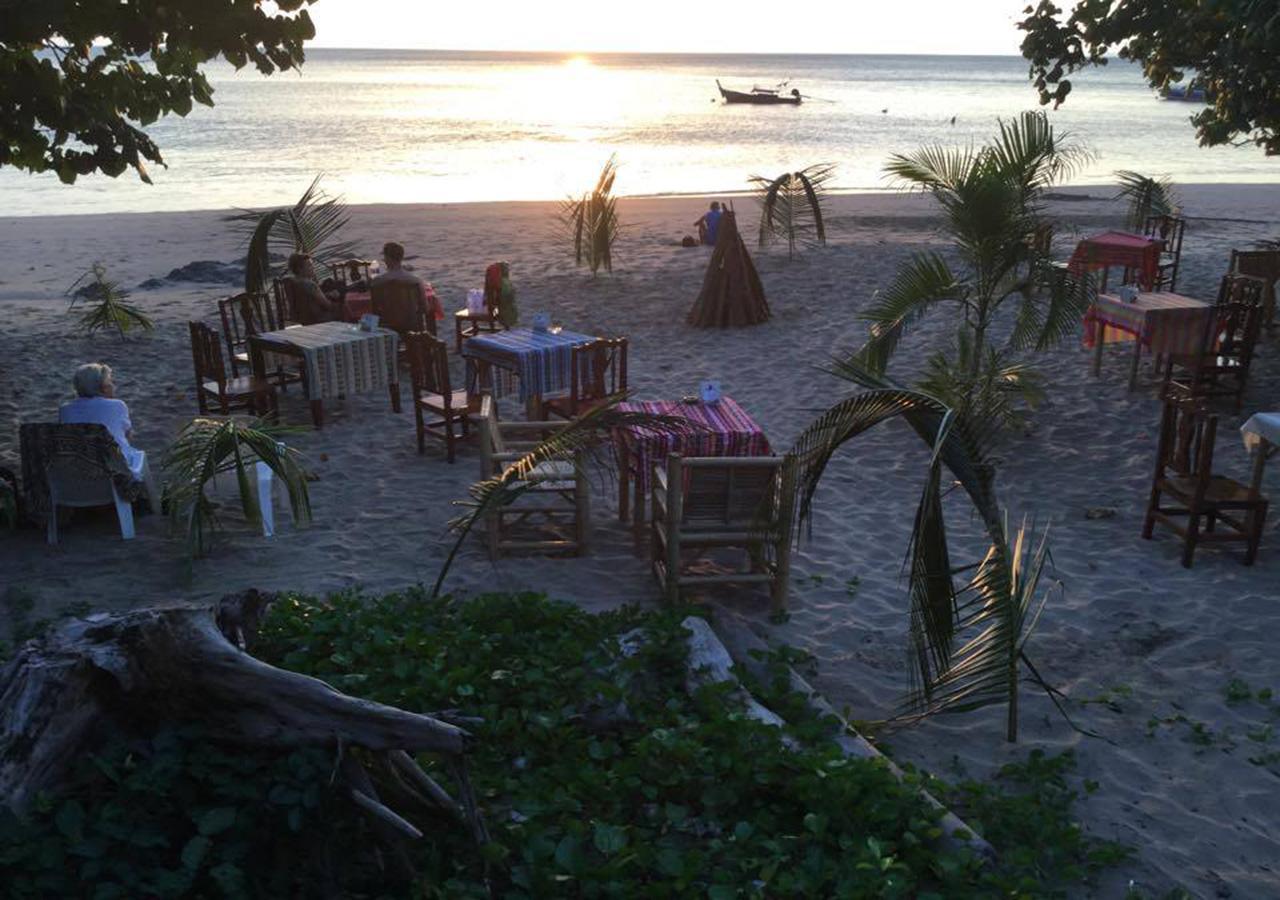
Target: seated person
point(709, 224)
point(311, 303)
point(393, 256)
point(96, 404)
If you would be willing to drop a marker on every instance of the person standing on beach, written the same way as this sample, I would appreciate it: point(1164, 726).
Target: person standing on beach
point(709, 224)
point(311, 304)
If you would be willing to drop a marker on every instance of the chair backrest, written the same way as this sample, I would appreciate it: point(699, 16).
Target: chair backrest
point(400, 306)
point(493, 287)
point(283, 297)
point(258, 313)
point(1264, 264)
point(490, 434)
point(1237, 318)
point(206, 354)
point(1168, 230)
point(730, 492)
point(428, 364)
point(82, 461)
point(232, 333)
point(1187, 435)
point(599, 369)
point(349, 271)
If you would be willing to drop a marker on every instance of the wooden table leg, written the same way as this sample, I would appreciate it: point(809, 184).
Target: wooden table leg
point(317, 413)
point(624, 481)
point(1133, 367)
point(1264, 450)
point(1098, 331)
point(637, 509)
point(394, 387)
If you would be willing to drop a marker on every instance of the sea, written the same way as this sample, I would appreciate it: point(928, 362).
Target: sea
point(386, 126)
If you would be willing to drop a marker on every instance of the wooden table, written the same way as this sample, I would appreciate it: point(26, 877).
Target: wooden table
point(723, 429)
point(337, 359)
point(1167, 323)
point(540, 362)
point(1118, 248)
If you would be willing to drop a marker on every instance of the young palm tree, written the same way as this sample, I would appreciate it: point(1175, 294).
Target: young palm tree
point(791, 206)
point(106, 304)
point(990, 199)
point(309, 226)
point(968, 643)
point(592, 221)
point(1146, 197)
point(206, 447)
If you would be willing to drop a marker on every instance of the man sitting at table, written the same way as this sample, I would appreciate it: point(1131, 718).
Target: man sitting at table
point(311, 304)
point(393, 256)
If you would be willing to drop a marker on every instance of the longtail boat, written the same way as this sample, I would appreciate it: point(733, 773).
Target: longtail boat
point(763, 96)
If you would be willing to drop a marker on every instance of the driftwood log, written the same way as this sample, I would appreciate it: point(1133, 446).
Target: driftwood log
point(108, 674)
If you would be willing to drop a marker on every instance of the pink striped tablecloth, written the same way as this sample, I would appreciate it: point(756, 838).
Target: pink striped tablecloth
point(1118, 248)
point(338, 358)
point(729, 431)
point(1163, 322)
point(357, 303)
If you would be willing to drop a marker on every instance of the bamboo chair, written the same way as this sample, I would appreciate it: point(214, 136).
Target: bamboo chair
point(557, 499)
point(1264, 264)
point(1168, 230)
point(400, 306)
point(433, 396)
point(351, 271)
point(599, 373)
point(246, 392)
point(1220, 368)
point(260, 314)
point(1184, 474)
point(705, 502)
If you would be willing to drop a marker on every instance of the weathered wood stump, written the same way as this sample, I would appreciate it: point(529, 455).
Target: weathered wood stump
point(122, 673)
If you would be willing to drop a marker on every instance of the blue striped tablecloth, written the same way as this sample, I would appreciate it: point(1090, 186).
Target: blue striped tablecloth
point(540, 360)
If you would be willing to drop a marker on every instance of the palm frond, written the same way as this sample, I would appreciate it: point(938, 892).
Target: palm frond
point(592, 223)
point(106, 304)
point(924, 280)
point(207, 447)
point(791, 206)
point(1145, 196)
point(590, 434)
point(311, 225)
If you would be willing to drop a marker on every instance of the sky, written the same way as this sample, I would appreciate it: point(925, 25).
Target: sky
point(687, 26)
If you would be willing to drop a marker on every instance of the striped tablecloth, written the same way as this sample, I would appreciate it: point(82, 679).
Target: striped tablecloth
point(729, 432)
point(1164, 322)
point(539, 361)
point(1260, 429)
point(1118, 248)
point(339, 359)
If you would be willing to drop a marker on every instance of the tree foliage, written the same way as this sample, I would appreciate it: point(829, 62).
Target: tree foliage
point(591, 221)
point(79, 81)
point(1231, 47)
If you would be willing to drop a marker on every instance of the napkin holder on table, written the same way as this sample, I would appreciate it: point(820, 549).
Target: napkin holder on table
point(1127, 293)
point(369, 322)
point(475, 301)
point(541, 321)
point(709, 392)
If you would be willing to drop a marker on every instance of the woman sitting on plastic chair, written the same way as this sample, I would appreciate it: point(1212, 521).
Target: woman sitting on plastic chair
point(96, 404)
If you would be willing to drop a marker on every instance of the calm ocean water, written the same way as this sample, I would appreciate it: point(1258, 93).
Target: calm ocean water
point(422, 126)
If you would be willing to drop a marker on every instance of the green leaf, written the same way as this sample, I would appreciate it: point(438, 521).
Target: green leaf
point(569, 854)
point(70, 820)
point(216, 820)
point(194, 852)
point(609, 839)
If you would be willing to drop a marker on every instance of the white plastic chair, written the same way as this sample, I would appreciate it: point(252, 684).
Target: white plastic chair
point(69, 487)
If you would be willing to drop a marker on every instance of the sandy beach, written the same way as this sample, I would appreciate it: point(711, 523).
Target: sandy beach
point(1184, 776)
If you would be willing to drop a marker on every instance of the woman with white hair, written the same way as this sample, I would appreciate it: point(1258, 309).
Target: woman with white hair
point(96, 404)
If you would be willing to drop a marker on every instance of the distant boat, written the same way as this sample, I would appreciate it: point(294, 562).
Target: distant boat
point(1190, 93)
point(761, 96)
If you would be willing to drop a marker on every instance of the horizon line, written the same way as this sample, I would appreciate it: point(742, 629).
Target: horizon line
point(580, 52)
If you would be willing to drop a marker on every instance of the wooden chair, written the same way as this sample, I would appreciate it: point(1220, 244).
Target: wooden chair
point(1168, 230)
point(260, 314)
point(706, 502)
point(557, 499)
point(233, 334)
point(212, 384)
point(283, 296)
point(1220, 368)
point(433, 395)
point(599, 373)
point(1264, 264)
point(468, 324)
point(1184, 475)
point(351, 271)
point(400, 306)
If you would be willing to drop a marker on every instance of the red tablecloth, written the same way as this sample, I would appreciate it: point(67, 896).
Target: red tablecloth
point(358, 303)
point(729, 432)
point(1163, 322)
point(1118, 248)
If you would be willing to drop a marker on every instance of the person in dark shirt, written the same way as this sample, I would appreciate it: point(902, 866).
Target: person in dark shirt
point(709, 224)
point(311, 304)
